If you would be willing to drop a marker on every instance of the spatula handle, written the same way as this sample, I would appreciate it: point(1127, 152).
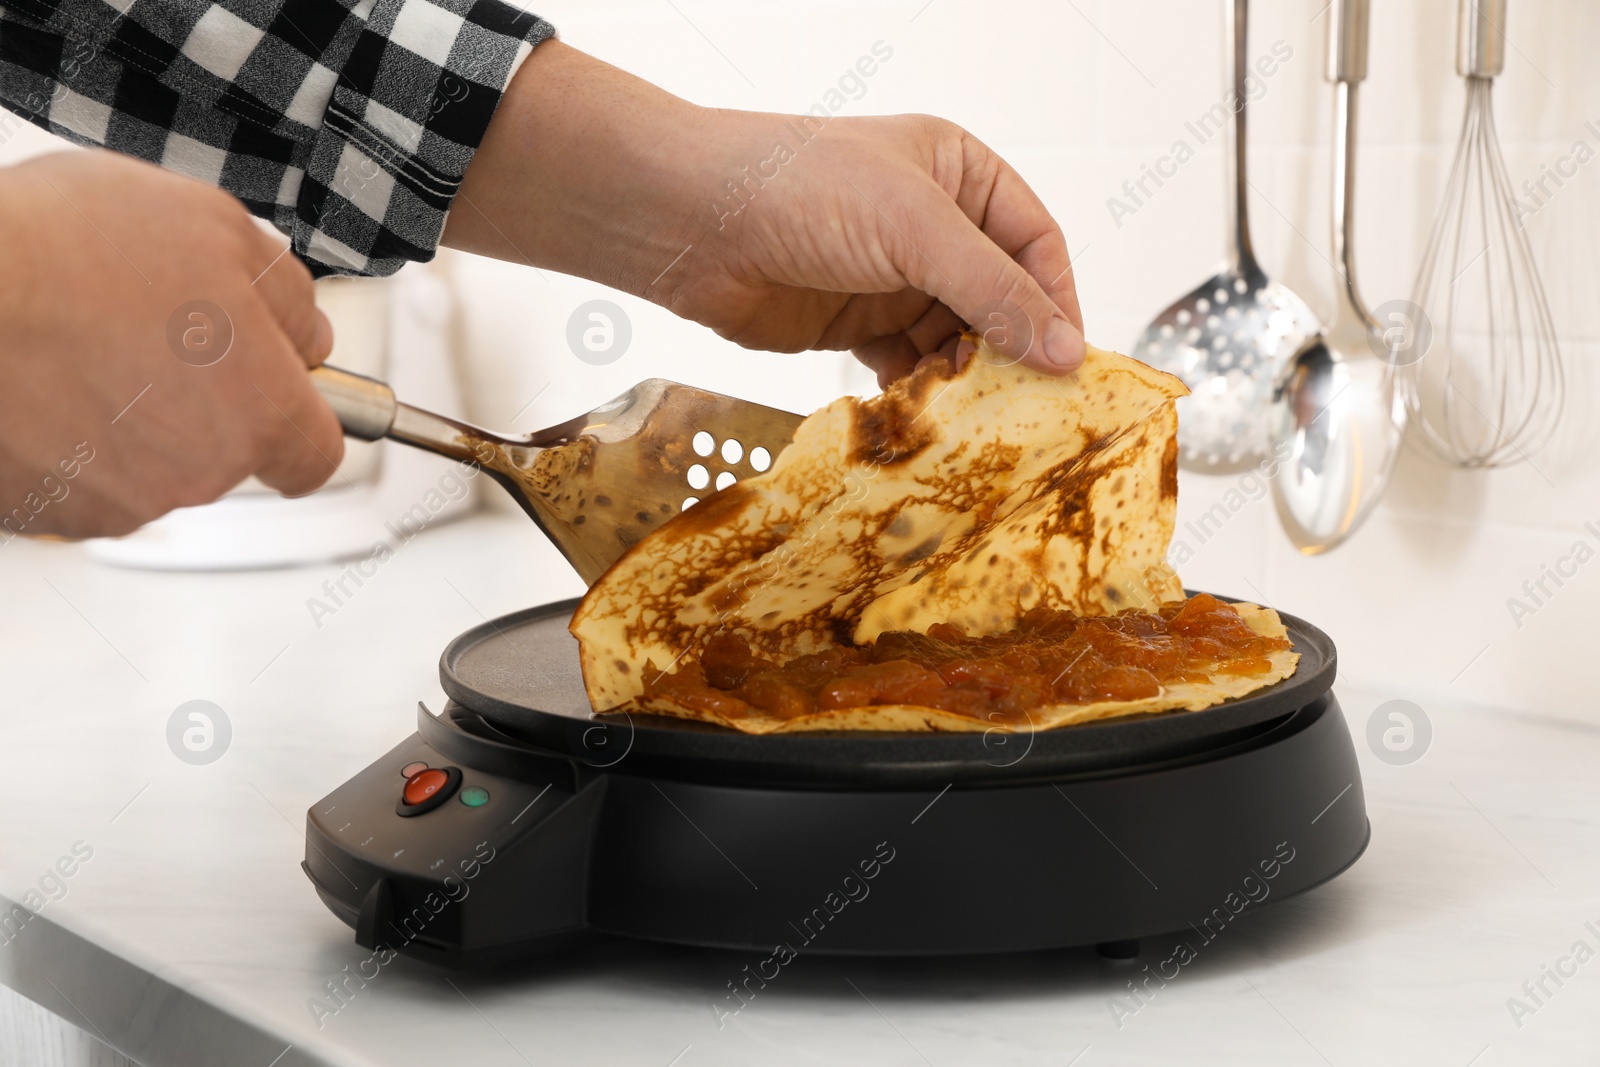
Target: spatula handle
point(366, 407)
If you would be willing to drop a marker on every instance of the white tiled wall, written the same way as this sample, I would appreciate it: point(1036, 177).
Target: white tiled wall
point(1078, 95)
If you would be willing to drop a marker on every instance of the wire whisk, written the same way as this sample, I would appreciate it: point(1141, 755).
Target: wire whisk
point(1489, 388)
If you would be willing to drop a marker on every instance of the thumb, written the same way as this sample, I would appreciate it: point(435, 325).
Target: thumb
point(952, 260)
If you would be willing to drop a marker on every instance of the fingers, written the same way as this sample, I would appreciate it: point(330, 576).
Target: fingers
point(306, 443)
point(937, 325)
point(285, 287)
point(322, 341)
point(951, 259)
point(1015, 219)
point(896, 354)
point(864, 316)
point(955, 351)
point(891, 357)
point(170, 425)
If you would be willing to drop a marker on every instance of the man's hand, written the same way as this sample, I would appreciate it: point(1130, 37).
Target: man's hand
point(880, 235)
point(883, 236)
point(150, 324)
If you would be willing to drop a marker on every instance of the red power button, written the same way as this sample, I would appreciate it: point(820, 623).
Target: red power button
point(426, 788)
point(423, 785)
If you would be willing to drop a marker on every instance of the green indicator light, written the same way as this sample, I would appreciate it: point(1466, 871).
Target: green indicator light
point(474, 797)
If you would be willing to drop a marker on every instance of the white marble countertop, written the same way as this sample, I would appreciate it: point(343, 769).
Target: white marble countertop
point(190, 935)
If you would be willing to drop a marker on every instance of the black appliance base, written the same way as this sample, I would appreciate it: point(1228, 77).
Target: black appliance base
point(559, 849)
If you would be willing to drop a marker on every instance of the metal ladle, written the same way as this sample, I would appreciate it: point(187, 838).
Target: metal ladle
point(1230, 337)
point(1337, 416)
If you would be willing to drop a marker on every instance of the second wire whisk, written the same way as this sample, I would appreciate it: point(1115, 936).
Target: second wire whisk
point(1489, 387)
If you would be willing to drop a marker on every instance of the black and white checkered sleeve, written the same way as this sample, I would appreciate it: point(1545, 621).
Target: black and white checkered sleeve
point(347, 123)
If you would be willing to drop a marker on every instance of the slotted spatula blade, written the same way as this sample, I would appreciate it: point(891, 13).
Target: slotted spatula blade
point(598, 483)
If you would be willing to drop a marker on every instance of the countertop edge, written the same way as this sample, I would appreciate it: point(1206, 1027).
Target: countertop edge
point(132, 1009)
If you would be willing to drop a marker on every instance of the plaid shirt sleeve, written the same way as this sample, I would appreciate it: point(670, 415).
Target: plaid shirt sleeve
point(347, 123)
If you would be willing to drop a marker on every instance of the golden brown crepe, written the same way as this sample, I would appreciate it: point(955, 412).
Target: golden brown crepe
point(964, 499)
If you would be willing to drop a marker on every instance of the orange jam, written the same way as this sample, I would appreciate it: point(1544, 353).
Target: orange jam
point(1052, 657)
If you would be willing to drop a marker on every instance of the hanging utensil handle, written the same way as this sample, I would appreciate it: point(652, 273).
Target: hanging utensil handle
point(1347, 40)
point(1481, 39)
point(1236, 22)
point(368, 410)
point(1347, 68)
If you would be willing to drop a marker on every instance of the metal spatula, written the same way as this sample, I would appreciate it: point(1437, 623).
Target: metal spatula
point(597, 483)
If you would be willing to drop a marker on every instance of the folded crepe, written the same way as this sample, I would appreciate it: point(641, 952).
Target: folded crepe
point(965, 499)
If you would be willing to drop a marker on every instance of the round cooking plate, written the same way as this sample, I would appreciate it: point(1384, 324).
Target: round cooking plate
point(520, 673)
